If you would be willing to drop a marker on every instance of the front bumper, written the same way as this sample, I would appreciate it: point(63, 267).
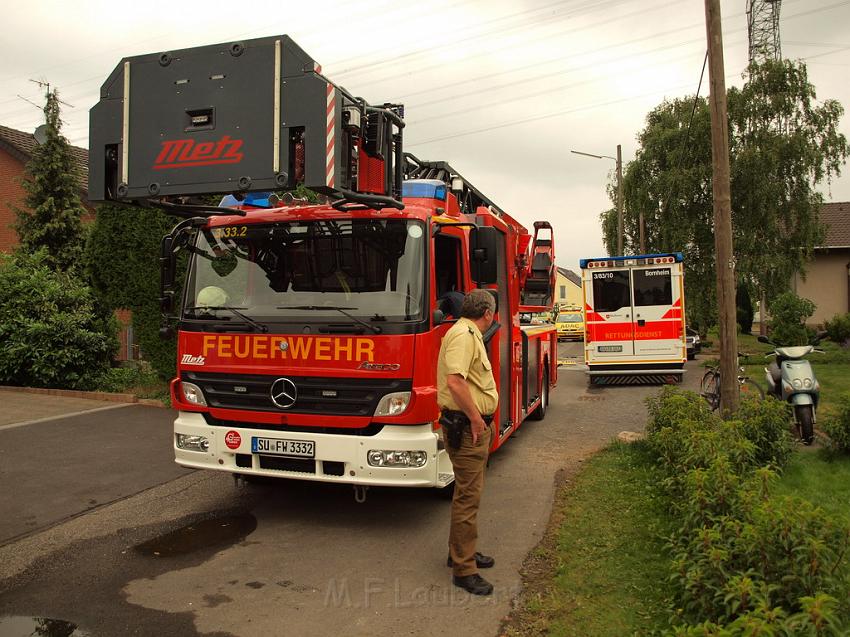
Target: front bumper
point(578, 335)
point(339, 458)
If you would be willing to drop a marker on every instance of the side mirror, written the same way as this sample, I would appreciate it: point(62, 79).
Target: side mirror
point(484, 249)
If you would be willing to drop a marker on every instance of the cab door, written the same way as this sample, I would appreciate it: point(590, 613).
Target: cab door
point(608, 321)
point(658, 324)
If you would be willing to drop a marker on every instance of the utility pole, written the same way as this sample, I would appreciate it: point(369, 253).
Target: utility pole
point(619, 200)
point(725, 260)
point(619, 160)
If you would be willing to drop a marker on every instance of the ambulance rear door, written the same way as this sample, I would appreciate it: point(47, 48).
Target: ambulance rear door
point(608, 319)
point(657, 301)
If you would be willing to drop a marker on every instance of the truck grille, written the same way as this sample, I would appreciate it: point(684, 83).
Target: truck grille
point(323, 396)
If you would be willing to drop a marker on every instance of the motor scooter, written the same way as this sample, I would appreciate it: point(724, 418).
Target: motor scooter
point(790, 377)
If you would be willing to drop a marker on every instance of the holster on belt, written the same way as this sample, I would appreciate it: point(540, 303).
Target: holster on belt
point(454, 423)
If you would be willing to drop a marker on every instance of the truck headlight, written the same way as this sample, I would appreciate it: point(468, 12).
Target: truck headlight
point(192, 443)
point(393, 404)
point(193, 394)
point(396, 458)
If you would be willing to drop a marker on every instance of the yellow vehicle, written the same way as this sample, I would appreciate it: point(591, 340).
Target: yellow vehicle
point(570, 325)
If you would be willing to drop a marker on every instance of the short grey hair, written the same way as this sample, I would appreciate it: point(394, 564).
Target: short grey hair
point(476, 303)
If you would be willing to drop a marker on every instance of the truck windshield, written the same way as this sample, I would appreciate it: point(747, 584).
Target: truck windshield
point(373, 269)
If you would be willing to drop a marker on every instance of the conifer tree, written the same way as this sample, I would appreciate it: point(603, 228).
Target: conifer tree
point(51, 219)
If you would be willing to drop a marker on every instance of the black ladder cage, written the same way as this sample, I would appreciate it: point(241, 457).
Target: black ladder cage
point(250, 116)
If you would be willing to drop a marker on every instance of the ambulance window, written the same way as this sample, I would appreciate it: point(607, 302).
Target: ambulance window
point(653, 287)
point(611, 290)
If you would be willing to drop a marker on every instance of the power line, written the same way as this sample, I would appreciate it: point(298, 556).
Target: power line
point(429, 50)
point(550, 115)
point(526, 96)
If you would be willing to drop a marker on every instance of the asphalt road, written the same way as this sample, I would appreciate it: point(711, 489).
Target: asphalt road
point(60, 467)
point(197, 555)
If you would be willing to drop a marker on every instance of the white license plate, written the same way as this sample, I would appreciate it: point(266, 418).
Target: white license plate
point(278, 447)
point(610, 348)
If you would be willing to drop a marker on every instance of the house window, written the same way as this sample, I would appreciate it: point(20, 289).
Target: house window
point(563, 291)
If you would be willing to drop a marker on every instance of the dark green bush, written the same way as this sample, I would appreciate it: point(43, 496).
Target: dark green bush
point(838, 328)
point(788, 314)
point(122, 256)
point(52, 332)
point(744, 309)
point(837, 427)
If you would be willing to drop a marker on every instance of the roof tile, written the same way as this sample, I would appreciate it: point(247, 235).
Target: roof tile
point(836, 217)
point(25, 143)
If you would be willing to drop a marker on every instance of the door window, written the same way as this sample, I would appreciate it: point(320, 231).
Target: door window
point(653, 287)
point(611, 290)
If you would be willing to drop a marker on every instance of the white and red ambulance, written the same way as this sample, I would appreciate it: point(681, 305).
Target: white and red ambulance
point(634, 319)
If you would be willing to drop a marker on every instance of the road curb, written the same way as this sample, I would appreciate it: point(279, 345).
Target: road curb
point(91, 395)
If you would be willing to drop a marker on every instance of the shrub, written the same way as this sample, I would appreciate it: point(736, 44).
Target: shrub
point(743, 562)
point(765, 424)
point(837, 427)
point(838, 328)
point(744, 309)
point(52, 332)
point(788, 319)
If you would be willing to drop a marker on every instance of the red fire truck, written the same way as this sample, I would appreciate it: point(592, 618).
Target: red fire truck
point(634, 319)
point(308, 333)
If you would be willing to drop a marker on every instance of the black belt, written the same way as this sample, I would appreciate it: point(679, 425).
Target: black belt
point(460, 416)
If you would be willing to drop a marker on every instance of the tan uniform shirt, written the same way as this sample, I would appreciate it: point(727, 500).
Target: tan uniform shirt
point(463, 352)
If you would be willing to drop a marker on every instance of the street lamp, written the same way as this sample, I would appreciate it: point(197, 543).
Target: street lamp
point(619, 160)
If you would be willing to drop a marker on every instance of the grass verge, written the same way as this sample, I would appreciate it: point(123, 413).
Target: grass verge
point(821, 477)
point(605, 572)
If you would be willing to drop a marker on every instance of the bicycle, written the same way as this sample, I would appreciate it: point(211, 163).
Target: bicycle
point(710, 385)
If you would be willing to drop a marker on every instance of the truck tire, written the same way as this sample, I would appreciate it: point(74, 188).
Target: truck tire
point(804, 415)
point(540, 412)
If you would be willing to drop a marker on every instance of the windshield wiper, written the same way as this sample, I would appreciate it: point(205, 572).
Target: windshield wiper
point(342, 310)
point(235, 310)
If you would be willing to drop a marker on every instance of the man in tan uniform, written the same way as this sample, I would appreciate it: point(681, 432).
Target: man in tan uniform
point(466, 393)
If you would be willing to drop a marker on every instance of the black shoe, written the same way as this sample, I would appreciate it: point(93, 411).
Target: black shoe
point(474, 584)
point(481, 561)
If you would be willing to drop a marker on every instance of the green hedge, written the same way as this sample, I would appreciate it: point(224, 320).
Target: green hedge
point(123, 261)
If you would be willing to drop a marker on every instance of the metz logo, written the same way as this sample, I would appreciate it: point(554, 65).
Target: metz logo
point(188, 359)
point(180, 153)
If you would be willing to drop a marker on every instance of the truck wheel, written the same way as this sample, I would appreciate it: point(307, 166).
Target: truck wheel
point(805, 421)
point(540, 412)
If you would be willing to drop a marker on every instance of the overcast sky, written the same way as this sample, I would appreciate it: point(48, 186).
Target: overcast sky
point(501, 89)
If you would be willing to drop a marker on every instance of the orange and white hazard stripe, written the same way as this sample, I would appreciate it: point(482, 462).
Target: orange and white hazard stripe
point(330, 158)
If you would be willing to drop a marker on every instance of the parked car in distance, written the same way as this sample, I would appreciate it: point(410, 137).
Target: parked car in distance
point(692, 342)
point(570, 325)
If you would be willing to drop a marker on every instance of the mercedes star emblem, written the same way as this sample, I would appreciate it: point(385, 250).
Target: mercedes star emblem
point(283, 393)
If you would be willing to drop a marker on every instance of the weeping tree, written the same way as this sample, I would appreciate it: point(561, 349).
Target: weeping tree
point(783, 145)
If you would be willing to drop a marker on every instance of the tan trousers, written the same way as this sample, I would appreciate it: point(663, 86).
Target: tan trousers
point(468, 462)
